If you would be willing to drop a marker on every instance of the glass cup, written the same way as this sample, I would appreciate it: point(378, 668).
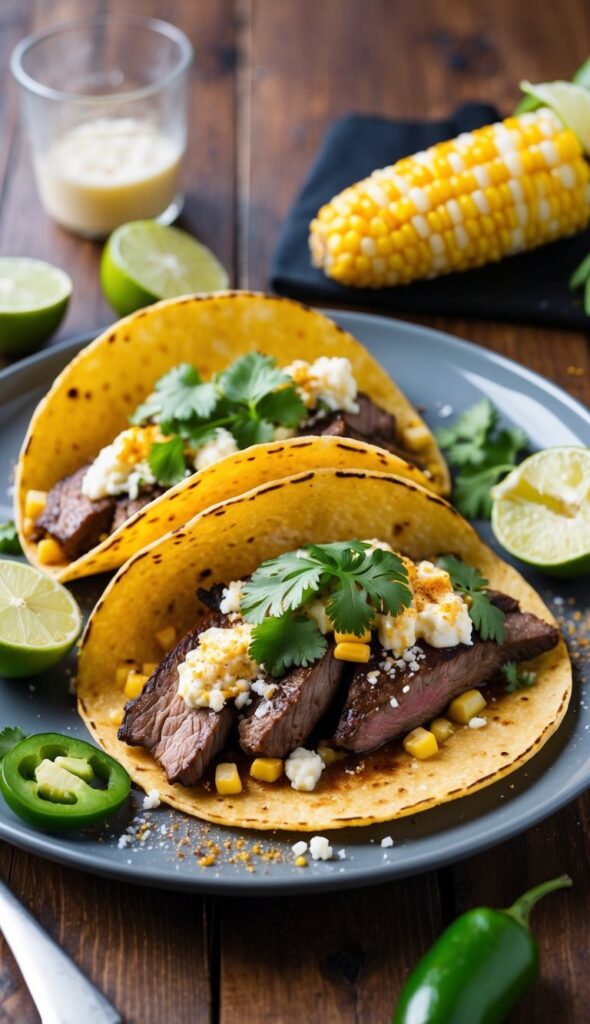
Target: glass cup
point(105, 104)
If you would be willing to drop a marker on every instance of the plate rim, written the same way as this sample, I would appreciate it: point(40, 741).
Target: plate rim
point(454, 848)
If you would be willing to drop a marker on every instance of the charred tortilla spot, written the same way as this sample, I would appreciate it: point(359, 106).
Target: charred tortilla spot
point(73, 392)
point(112, 337)
point(28, 446)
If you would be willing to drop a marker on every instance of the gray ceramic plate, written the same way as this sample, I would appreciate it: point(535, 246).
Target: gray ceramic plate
point(435, 370)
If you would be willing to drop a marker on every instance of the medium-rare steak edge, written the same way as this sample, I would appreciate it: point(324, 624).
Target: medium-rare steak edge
point(183, 740)
point(399, 700)
point(275, 728)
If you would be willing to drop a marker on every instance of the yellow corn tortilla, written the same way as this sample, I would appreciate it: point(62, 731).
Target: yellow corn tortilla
point(91, 401)
point(157, 589)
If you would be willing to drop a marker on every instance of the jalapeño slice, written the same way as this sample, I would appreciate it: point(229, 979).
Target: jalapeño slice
point(58, 782)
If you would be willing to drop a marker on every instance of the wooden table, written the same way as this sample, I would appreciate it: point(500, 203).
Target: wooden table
point(269, 76)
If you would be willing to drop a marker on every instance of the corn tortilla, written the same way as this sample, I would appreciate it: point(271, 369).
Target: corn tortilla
point(157, 588)
point(91, 401)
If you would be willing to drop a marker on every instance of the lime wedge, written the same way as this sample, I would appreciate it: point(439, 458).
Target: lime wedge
point(39, 621)
point(33, 299)
point(541, 511)
point(144, 261)
point(571, 103)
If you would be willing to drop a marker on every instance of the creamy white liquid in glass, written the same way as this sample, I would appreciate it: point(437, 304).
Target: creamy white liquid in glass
point(107, 171)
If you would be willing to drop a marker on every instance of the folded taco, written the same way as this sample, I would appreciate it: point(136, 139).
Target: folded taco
point(179, 387)
point(334, 648)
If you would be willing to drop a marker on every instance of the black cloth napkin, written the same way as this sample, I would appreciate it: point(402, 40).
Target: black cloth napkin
point(531, 287)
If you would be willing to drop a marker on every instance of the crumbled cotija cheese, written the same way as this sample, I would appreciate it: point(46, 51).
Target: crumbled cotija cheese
point(299, 848)
point(436, 615)
point(320, 848)
point(218, 669)
point(222, 444)
point(231, 598)
point(317, 611)
point(151, 800)
point(303, 768)
point(477, 723)
point(386, 842)
point(329, 379)
point(122, 467)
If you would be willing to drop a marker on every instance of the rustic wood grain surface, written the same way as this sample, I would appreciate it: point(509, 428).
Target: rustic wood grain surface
point(269, 76)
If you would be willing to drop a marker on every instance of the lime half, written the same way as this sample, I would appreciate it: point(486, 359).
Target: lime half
point(571, 103)
point(33, 299)
point(144, 261)
point(39, 621)
point(541, 511)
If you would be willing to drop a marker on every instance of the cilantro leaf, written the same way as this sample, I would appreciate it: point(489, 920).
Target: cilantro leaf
point(482, 453)
point(581, 274)
point(471, 494)
point(487, 618)
point(359, 582)
point(9, 542)
point(178, 395)
point(251, 377)
point(517, 679)
point(279, 643)
point(249, 430)
point(279, 585)
point(464, 440)
point(9, 737)
point(167, 462)
point(284, 407)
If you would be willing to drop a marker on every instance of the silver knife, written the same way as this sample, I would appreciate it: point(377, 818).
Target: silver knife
point(62, 994)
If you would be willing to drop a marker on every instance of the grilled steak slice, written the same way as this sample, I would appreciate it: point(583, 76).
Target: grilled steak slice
point(76, 522)
point(370, 423)
point(183, 740)
point(298, 704)
point(127, 507)
point(369, 720)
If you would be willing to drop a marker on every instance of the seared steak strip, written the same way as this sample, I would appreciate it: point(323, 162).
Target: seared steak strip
point(182, 739)
point(127, 507)
point(76, 522)
point(370, 719)
point(370, 424)
point(275, 728)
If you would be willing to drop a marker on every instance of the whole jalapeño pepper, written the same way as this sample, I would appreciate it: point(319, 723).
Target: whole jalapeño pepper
point(478, 968)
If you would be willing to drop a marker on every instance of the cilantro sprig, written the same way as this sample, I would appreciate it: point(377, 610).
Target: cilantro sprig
point(287, 640)
point(517, 678)
point(482, 453)
point(9, 542)
point(249, 399)
point(487, 618)
point(10, 735)
point(357, 580)
point(581, 279)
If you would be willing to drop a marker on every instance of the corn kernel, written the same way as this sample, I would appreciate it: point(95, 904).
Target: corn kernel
point(466, 706)
point(441, 729)
point(421, 743)
point(35, 502)
point(166, 638)
point(329, 755)
point(49, 552)
point(352, 652)
point(227, 779)
point(266, 769)
point(135, 684)
point(344, 638)
point(122, 673)
point(116, 716)
point(149, 667)
point(28, 526)
point(300, 862)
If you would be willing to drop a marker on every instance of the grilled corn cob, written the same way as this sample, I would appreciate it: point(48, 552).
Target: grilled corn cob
point(499, 190)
